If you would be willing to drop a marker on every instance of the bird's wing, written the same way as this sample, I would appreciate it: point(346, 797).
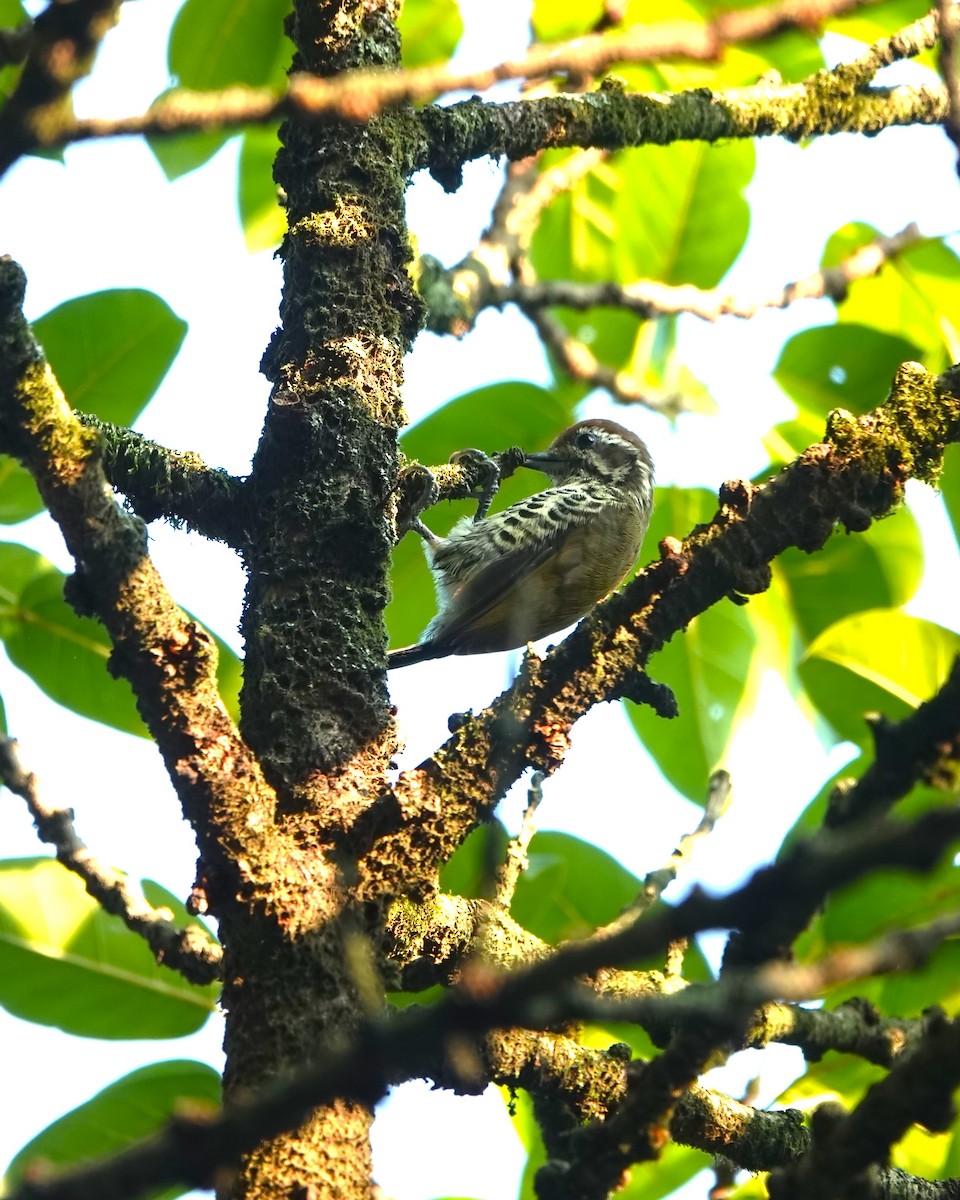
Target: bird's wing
point(494, 596)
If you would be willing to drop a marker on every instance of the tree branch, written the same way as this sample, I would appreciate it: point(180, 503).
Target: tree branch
point(455, 298)
point(824, 104)
point(846, 1149)
point(191, 1150)
point(649, 299)
point(63, 43)
point(169, 660)
point(656, 882)
point(856, 475)
point(447, 137)
point(189, 951)
point(923, 746)
point(170, 484)
point(463, 478)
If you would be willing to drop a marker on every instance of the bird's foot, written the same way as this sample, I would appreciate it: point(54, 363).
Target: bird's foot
point(418, 491)
point(486, 471)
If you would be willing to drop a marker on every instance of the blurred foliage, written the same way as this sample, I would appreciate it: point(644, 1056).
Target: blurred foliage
point(67, 655)
point(134, 1107)
point(65, 962)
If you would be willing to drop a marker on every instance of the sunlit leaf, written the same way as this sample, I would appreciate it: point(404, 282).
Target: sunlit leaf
point(675, 213)
point(873, 21)
point(950, 486)
point(215, 43)
point(430, 31)
point(880, 568)
point(126, 1111)
point(110, 351)
point(528, 1131)
point(708, 667)
point(916, 296)
point(264, 221)
point(65, 962)
point(878, 661)
point(674, 1166)
point(557, 20)
point(840, 366)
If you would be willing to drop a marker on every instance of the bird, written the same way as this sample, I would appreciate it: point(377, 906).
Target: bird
point(544, 562)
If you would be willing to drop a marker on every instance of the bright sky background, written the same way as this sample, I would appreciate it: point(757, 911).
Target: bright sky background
point(111, 222)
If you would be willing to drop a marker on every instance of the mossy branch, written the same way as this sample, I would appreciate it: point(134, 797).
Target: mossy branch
point(171, 484)
point(169, 660)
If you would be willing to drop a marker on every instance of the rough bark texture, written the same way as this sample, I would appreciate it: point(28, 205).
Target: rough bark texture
point(315, 705)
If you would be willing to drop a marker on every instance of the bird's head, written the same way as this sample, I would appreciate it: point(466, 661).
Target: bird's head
point(597, 450)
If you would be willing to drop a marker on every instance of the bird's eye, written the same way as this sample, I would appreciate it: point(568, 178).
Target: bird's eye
point(585, 439)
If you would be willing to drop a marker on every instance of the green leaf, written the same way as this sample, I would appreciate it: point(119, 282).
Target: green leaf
point(675, 1166)
point(229, 674)
point(65, 962)
point(431, 31)
point(65, 654)
point(875, 21)
point(570, 888)
point(182, 153)
point(675, 213)
point(840, 366)
point(836, 1077)
point(785, 441)
point(916, 296)
point(558, 20)
point(709, 668)
point(264, 221)
point(19, 498)
point(885, 901)
point(215, 43)
point(109, 350)
point(520, 1106)
point(491, 419)
point(470, 870)
point(880, 568)
point(950, 486)
point(132, 1108)
point(878, 661)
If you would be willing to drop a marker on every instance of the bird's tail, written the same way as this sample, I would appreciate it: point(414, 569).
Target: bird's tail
point(406, 656)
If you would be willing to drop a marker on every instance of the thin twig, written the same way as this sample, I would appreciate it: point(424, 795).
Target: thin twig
point(576, 359)
point(516, 861)
point(360, 95)
point(656, 882)
point(189, 951)
point(191, 1149)
point(649, 298)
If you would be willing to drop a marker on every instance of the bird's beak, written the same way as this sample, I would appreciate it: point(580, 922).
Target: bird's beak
point(544, 461)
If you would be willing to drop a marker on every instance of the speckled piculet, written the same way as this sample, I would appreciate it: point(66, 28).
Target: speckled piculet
point(544, 562)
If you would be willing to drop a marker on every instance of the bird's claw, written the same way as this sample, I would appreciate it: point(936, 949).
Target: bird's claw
point(418, 491)
point(487, 473)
